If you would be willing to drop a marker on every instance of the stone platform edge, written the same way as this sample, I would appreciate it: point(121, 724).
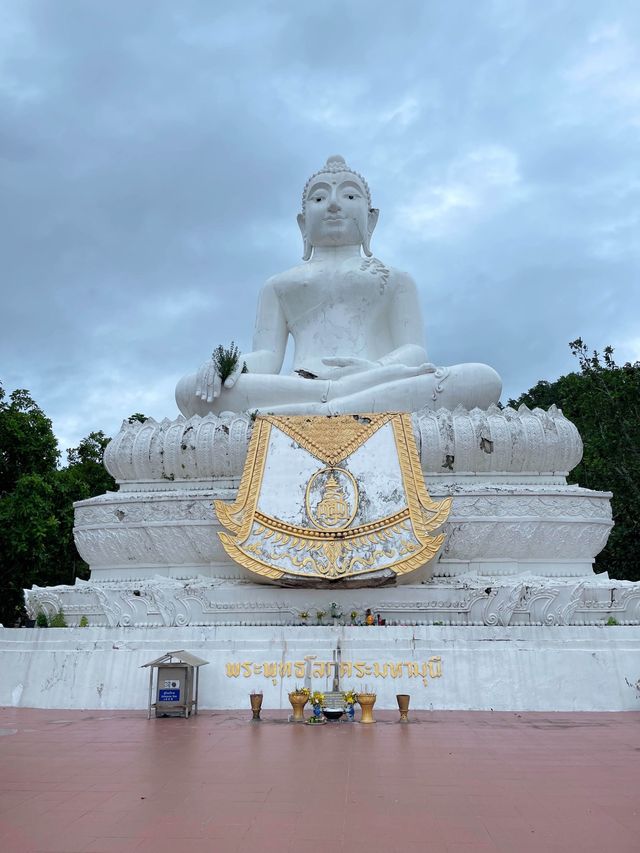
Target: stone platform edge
point(515, 668)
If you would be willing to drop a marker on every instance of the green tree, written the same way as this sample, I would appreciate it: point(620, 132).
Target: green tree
point(36, 501)
point(86, 465)
point(29, 535)
point(27, 442)
point(603, 400)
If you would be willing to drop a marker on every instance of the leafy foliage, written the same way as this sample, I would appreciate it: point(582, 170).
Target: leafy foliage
point(27, 442)
point(36, 501)
point(603, 400)
point(58, 621)
point(28, 538)
point(85, 464)
point(226, 360)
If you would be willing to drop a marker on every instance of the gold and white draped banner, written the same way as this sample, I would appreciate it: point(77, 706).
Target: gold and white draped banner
point(332, 497)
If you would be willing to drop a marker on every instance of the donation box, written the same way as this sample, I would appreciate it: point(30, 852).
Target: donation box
point(176, 684)
point(174, 689)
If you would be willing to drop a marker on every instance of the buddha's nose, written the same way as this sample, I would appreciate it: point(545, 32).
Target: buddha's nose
point(334, 207)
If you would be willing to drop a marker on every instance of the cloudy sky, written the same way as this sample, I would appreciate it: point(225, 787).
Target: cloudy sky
point(152, 156)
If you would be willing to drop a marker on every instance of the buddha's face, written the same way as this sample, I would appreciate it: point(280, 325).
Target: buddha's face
point(336, 211)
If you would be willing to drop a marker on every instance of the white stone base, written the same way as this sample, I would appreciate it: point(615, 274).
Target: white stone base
point(470, 599)
point(501, 669)
point(502, 528)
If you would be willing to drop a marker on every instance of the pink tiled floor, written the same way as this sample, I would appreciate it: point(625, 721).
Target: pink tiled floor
point(104, 781)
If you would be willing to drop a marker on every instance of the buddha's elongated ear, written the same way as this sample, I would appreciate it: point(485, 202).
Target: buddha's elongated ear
point(372, 221)
point(308, 248)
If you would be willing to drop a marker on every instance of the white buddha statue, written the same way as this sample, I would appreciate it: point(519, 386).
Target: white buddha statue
point(356, 324)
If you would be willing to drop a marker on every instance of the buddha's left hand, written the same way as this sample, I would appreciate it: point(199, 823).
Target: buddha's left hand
point(346, 366)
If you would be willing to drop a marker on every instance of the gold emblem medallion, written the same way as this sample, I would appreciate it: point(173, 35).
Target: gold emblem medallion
point(331, 499)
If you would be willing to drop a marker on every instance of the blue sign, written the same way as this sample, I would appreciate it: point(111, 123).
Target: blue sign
point(168, 696)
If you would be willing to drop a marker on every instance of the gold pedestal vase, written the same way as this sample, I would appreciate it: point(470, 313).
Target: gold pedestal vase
point(298, 701)
point(403, 706)
point(366, 702)
point(256, 704)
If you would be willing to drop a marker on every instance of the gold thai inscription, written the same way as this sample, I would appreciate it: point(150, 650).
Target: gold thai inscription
point(274, 670)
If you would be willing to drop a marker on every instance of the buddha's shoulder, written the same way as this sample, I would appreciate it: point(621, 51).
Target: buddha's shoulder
point(374, 263)
point(305, 272)
point(293, 275)
point(393, 277)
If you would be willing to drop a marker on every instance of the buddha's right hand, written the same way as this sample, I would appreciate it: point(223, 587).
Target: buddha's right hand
point(208, 382)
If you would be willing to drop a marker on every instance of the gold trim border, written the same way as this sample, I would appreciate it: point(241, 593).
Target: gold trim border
point(335, 424)
point(340, 535)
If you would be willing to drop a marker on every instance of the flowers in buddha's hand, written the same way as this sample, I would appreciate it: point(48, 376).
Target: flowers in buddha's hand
point(226, 360)
point(317, 698)
point(350, 697)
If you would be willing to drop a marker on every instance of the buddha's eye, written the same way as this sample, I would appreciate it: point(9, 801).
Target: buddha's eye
point(318, 198)
point(352, 197)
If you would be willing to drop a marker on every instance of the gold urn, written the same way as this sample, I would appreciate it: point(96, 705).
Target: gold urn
point(298, 701)
point(366, 702)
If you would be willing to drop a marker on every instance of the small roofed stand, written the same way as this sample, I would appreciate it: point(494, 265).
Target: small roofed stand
point(177, 676)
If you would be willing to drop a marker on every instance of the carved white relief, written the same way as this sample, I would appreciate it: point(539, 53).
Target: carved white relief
point(460, 441)
point(167, 602)
point(183, 449)
point(497, 440)
point(500, 606)
point(486, 522)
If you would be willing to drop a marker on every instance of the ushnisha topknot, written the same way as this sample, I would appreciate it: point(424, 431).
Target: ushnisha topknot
point(335, 163)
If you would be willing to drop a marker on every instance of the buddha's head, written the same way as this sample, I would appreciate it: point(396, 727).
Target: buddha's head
point(336, 209)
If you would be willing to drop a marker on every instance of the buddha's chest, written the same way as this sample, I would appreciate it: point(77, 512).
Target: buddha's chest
point(321, 293)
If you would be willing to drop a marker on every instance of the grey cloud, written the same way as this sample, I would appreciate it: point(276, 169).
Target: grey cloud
point(152, 157)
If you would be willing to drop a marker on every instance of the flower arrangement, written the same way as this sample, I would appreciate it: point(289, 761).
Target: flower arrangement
point(304, 614)
point(301, 691)
point(317, 698)
point(350, 697)
point(226, 360)
point(320, 614)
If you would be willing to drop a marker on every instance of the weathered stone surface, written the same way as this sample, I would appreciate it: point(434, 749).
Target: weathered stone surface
point(549, 668)
point(503, 529)
point(384, 577)
point(473, 598)
point(212, 449)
